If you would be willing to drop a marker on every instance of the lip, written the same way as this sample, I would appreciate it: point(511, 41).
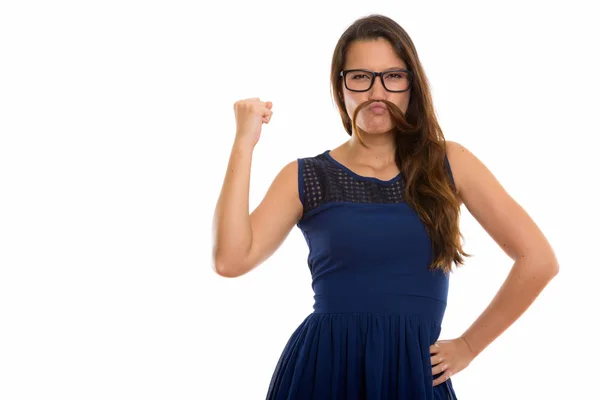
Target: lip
point(378, 107)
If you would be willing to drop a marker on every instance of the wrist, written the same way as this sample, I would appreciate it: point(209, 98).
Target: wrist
point(243, 147)
point(473, 353)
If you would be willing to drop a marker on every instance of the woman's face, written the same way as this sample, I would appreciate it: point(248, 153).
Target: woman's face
point(375, 55)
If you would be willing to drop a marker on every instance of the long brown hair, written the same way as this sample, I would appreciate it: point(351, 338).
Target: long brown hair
point(420, 143)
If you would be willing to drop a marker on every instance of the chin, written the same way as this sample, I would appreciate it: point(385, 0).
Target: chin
point(377, 129)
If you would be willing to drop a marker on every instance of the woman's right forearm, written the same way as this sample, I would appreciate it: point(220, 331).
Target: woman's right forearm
point(232, 232)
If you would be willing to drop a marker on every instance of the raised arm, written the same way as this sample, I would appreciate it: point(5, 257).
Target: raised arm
point(242, 241)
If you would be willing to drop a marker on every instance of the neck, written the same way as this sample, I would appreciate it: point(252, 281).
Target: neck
point(381, 150)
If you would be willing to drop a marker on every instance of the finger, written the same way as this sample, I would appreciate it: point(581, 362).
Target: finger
point(267, 117)
point(442, 378)
point(436, 360)
point(439, 368)
point(241, 102)
point(434, 348)
point(266, 105)
point(266, 113)
point(260, 108)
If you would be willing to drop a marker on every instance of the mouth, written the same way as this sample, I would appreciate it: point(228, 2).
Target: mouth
point(378, 108)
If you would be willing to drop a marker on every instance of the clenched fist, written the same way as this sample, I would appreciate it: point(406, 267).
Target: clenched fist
point(250, 114)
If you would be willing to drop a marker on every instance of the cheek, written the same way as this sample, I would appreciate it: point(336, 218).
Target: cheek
point(351, 102)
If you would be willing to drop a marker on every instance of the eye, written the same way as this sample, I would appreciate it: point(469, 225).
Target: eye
point(396, 75)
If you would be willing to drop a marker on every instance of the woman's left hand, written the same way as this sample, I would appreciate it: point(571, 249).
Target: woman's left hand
point(450, 357)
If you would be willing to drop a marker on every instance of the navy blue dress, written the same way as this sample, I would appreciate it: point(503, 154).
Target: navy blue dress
point(378, 308)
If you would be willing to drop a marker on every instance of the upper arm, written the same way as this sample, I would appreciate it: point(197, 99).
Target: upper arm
point(498, 213)
point(275, 216)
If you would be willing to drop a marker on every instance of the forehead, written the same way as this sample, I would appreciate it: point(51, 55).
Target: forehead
point(374, 54)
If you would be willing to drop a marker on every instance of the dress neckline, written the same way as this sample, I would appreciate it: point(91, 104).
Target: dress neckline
point(354, 174)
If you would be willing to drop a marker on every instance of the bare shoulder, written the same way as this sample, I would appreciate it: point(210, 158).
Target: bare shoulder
point(457, 155)
point(494, 208)
point(467, 169)
point(287, 178)
point(283, 193)
point(290, 170)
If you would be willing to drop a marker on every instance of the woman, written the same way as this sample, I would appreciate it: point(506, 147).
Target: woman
point(380, 215)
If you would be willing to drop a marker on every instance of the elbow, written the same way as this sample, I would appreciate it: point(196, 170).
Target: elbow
point(541, 264)
point(226, 271)
point(546, 270)
point(552, 265)
point(554, 269)
point(229, 261)
point(227, 268)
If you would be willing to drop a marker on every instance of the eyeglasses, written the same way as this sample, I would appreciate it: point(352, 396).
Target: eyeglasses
point(361, 80)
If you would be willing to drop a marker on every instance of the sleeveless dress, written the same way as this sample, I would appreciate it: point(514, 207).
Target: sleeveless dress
point(377, 307)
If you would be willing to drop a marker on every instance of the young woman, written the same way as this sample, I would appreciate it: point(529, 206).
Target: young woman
point(380, 214)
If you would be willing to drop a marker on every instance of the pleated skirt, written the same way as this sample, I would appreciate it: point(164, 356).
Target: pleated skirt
point(359, 356)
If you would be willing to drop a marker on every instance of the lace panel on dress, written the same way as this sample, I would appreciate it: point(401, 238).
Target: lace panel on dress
point(324, 182)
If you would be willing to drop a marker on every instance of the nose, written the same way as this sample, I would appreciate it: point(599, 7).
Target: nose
point(377, 90)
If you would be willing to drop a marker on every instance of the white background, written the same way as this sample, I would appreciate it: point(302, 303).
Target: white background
point(116, 122)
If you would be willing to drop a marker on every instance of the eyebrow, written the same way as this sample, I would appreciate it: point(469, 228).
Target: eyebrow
point(387, 69)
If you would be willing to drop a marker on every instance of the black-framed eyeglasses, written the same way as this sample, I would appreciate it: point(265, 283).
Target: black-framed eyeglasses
point(361, 80)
